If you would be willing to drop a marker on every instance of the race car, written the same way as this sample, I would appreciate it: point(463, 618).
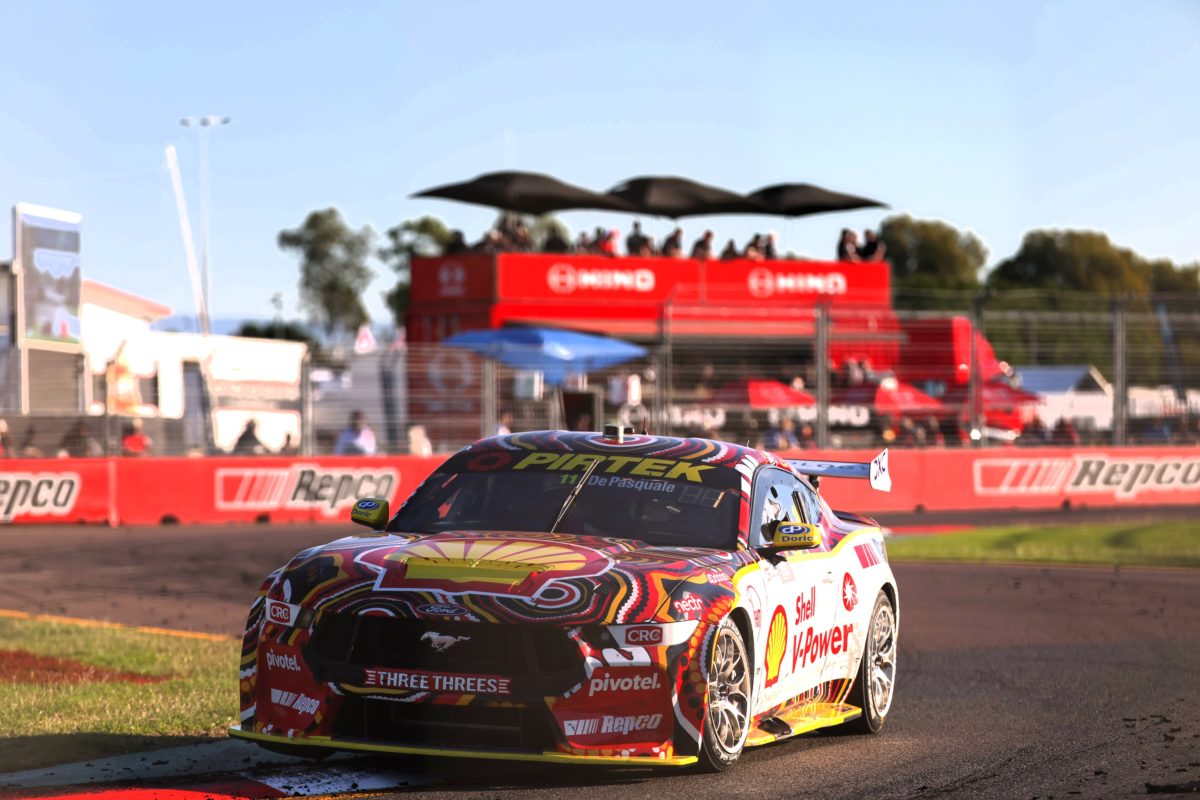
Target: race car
point(582, 598)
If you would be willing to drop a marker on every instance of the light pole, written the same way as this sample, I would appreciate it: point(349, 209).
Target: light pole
point(202, 126)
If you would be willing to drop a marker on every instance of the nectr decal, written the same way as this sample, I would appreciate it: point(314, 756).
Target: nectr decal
point(422, 681)
point(37, 494)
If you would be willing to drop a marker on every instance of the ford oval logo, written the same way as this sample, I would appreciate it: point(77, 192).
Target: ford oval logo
point(443, 610)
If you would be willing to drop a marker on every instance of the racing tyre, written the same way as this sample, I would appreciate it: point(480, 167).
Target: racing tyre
point(876, 680)
point(727, 718)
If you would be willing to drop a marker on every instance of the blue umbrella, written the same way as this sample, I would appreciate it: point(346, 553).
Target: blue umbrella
point(556, 353)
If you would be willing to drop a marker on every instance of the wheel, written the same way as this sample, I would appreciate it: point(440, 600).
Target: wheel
point(876, 680)
point(727, 719)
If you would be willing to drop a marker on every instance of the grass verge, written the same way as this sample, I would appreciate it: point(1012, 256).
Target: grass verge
point(50, 724)
point(1164, 544)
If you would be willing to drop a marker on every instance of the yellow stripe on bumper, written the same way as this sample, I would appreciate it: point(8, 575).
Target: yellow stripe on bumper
point(551, 757)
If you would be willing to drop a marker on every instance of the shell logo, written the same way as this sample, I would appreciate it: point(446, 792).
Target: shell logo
point(511, 567)
point(776, 644)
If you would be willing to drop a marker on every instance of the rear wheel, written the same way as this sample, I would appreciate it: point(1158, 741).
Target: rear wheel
point(727, 719)
point(876, 680)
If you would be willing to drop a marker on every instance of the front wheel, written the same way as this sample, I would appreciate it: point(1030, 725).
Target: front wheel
point(876, 680)
point(727, 720)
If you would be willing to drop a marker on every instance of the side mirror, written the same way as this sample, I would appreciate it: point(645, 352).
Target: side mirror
point(787, 535)
point(370, 511)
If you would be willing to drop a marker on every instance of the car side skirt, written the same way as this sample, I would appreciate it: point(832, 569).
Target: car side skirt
point(448, 752)
point(786, 723)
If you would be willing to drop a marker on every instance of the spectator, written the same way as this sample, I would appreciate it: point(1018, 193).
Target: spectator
point(1034, 433)
point(702, 250)
point(418, 441)
point(933, 433)
point(872, 249)
point(504, 428)
point(770, 250)
point(673, 245)
point(134, 441)
point(555, 243)
point(910, 435)
point(78, 442)
point(847, 249)
point(807, 439)
point(4, 443)
point(356, 439)
point(522, 242)
point(583, 422)
point(1065, 433)
point(782, 436)
point(584, 243)
point(753, 251)
point(456, 244)
point(247, 443)
point(730, 253)
point(27, 448)
point(606, 242)
point(289, 446)
point(636, 243)
point(887, 430)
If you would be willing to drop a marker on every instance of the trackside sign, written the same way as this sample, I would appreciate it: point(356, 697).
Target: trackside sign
point(37, 494)
point(1120, 476)
point(329, 490)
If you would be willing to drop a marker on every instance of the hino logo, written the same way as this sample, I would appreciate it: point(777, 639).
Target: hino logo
point(565, 279)
point(37, 494)
point(441, 642)
point(762, 282)
point(452, 279)
point(329, 490)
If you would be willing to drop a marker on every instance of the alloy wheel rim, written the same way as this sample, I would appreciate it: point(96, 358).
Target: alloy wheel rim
point(729, 693)
point(883, 659)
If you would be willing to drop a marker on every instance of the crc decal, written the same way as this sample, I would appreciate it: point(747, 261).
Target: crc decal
point(615, 465)
point(604, 682)
point(849, 592)
point(644, 635)
point(328, 490)
point(282, 613)
point(37, 494)
point(777, 636)
point(449, 683)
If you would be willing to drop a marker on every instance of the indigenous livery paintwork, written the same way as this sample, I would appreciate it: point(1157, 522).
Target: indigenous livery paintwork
point(557, 596)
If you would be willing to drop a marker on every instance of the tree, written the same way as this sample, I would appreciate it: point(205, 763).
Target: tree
point(422, 237)
point(1062, 263)
point(333, 269)
point(934, 265)
point(279, 329)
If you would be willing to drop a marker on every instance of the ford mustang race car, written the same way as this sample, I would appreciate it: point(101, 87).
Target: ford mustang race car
point(582, 597)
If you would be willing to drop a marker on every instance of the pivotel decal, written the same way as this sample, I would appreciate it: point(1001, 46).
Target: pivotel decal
point(326, 489)
point(287, 661)
point(37, 494)
point(1121, 477)
point(611, 682)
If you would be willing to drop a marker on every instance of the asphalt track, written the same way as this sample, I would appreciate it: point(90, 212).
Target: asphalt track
point(1014, 681)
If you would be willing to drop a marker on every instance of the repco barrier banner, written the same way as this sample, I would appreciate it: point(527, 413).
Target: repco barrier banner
point(152, 491)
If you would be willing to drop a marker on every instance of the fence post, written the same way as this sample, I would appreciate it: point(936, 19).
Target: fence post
point(821, 360)
point(1120, 378)
point(488, 419)
point(974, 385)
point(307, 445)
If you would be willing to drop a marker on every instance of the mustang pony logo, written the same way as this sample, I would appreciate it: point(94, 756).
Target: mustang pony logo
point(441, 642)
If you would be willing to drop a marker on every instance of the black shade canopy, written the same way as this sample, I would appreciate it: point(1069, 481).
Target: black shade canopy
point(668, 196)
point(525, 193)
point(799, 199)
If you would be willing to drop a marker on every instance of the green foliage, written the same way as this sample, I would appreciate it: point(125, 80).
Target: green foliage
point(278, 329)
point(333, 269)
point(934, 265)
point(422, 237)
point(1172, 544)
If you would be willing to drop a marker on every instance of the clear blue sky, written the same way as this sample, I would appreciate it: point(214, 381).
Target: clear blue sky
point(997, 117)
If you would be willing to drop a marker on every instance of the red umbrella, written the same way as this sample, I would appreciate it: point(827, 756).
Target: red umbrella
point(761, 393)
point(889, 396)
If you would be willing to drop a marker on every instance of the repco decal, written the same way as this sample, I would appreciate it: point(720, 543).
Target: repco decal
point(326, 489)
point(37, 494)
point(1123, 478)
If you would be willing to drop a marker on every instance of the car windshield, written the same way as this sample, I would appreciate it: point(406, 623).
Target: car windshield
point(655, 510)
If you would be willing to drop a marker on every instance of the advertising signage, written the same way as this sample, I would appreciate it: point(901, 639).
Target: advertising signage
point(47, 241)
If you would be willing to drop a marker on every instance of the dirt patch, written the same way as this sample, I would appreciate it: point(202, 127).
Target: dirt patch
point(18, 666)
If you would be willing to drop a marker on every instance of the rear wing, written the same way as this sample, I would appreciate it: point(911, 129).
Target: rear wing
point(875, 470)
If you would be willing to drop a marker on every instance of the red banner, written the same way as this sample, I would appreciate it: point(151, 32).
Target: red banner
point(154, 491)
point(452, 279)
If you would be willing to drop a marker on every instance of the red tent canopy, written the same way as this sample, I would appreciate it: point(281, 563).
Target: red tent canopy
point(761, 393)
point(889, 396)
